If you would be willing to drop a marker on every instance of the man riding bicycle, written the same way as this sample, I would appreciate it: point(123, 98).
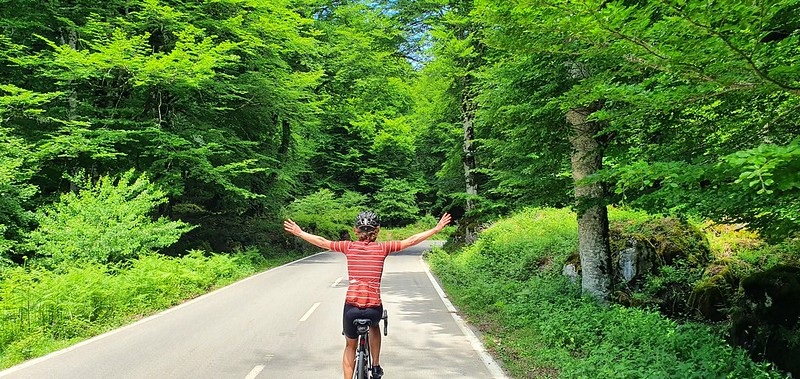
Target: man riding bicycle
point(365, 259)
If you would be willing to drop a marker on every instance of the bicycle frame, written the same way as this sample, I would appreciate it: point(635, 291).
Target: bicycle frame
point(363, 359)
point(363, 365)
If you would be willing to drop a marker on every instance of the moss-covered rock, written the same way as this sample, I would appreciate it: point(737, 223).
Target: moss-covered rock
point(713, 295)
point(774, 295)
point(657, 261)
point(671, 239)
point(767, 322)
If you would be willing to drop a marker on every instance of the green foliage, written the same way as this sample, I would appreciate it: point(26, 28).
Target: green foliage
point(17, 163)
point(422, 224)
point(697, 114)
point(396, 202)
point(106, 221)
point(326, 214)
point(538, 323)
point(210, 99)
point(41, 310)
point(531, 242)
point(761, 180)
point(364, 137)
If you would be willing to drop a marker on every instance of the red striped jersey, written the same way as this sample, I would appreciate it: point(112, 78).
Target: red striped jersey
point(364, 269)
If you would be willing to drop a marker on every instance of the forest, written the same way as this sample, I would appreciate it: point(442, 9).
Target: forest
point(624, 175)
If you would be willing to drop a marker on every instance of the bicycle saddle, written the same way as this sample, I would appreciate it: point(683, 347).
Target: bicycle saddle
point(362, 325)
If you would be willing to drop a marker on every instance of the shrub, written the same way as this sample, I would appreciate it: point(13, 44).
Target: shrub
point(423, 224)
point(107, 221)
point(531, 242)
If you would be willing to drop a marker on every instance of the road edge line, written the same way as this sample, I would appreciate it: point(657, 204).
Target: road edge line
point(109, 333)
point(489, 361)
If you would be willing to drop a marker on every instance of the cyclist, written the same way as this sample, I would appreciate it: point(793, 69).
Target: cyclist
point(365, 259)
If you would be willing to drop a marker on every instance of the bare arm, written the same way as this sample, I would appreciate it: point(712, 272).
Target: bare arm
point(291, 227)
point(422, 236)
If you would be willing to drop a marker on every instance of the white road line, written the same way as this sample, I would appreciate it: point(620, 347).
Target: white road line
point(491, 365)
point(254, 372)
point(310, 311)
point(337, 281)
point(54, 354)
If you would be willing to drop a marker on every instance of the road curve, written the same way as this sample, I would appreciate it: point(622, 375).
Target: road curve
point(282, 323)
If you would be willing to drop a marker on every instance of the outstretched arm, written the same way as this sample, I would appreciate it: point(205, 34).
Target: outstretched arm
point(419, 237)
point(291, 227)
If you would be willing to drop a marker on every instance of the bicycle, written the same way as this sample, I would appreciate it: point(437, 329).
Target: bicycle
point(363, 364)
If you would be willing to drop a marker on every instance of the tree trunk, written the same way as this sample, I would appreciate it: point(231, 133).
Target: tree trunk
point(587, 158)
point(72, 99)
point(468, 117)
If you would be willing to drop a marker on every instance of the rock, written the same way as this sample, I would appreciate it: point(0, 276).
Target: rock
point(774, 295)
point(571, 272)
point(768, 321)
point(712, 296)
point(635, 261)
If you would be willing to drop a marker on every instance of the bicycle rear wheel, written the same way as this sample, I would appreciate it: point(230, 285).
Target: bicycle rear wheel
point(361, 366)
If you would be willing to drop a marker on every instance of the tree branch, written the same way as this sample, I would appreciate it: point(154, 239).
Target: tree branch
point(791, 89)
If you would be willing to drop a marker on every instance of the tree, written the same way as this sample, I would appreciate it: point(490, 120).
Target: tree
point(715, 116)
point(18, 164)
point(208, 98)
point(569, 87)
point(457, 55)
point(672, 94)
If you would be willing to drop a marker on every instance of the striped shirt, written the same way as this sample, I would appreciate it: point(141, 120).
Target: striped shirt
point(364, 269)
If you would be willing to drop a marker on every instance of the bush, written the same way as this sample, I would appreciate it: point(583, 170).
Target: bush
point(531, 242)
point(107, 221)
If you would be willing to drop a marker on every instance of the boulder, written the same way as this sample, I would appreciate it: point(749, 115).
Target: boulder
point(635, 261)
point(767, 322)
point(774, 295)
point(712, 296)
point(571, 271)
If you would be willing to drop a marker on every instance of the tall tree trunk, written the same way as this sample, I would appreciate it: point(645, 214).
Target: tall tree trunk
point(286, 142)
point(468, 117)
point(273, 180)
point(72, 100)
point(587, 158)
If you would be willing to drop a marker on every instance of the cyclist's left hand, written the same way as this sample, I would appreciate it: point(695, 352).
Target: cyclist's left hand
point(443, 221)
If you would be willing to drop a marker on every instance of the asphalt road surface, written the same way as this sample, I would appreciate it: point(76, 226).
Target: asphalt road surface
point(283, 323)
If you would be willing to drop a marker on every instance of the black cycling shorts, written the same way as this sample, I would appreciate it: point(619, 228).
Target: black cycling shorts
point(351, 312)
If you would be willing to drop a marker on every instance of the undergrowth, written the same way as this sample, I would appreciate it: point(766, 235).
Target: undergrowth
point(509, 283)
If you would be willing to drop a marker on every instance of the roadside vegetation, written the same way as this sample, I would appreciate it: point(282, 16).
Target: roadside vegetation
point(98, 267)
point(510, 284)
point(44, 310)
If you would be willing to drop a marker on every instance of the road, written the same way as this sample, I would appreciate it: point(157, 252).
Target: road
point(283, 323)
